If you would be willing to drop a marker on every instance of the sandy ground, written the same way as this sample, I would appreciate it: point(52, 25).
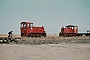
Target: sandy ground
point(45, 52)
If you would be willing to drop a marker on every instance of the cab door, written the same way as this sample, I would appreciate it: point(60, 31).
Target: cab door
point(23, 29)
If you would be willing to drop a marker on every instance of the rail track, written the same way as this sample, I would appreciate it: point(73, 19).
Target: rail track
point(9, 39)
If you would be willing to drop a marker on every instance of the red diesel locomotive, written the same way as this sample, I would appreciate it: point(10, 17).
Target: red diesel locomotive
point(71, 30)
point(28, 30)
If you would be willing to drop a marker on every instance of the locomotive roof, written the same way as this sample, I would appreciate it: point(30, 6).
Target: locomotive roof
point(71, 26)
point(26, 22)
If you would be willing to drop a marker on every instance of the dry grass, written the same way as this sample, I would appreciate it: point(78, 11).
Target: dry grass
point(54, 40)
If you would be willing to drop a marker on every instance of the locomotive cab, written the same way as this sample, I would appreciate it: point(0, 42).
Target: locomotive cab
point(25, 28)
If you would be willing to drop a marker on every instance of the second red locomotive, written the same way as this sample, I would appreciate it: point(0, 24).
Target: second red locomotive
point(28, 30)
point(69, 30)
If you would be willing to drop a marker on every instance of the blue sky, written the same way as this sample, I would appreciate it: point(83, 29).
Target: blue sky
point(52, 14)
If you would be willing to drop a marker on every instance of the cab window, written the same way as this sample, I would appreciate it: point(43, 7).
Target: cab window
point(21, 25)
point(31, 25)
point(24, 25)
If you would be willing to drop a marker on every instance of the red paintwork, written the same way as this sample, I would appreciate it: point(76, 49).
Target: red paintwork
point(69, 30)
point(31, 30)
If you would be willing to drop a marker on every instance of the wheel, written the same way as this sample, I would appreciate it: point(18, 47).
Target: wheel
point(28, 35)
point(67, 35)
point(44, 34)
point(31, 36)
